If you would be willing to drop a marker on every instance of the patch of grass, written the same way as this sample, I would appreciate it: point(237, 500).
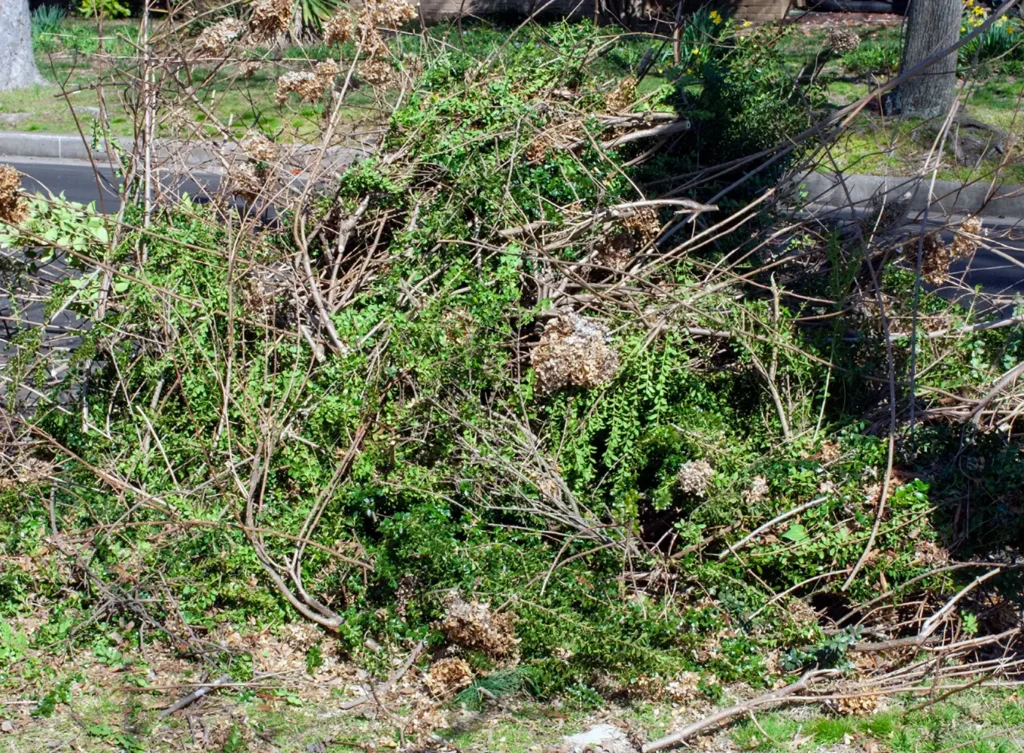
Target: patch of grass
point(981, 722)
point(875, 145)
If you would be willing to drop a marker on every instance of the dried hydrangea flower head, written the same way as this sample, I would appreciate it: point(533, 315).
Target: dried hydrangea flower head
point(269, 19)
point(326, 71)
point(216, 40)
point(259, 148)
point(574, 351)
point(339, 29)
point(243, 181)
point(758, 491)
point(13, 208)
point(305, 84)
point(385, 14)
point(447, 677)
point(965, 240)
point(842, 40)
point(472, 624)
point(376, 72)
point(934, 257)
point(615, 250)
point(249, 68)
point(694, 477)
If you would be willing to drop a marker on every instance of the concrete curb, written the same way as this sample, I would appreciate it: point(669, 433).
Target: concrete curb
point(207, 156)
point(1003, 202)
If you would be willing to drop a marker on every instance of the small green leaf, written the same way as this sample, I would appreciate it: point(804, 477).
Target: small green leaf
point(101, 730)
point(796, 533)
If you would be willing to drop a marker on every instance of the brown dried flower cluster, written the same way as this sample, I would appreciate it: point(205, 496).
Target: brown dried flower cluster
point(694, 477)
point(615, 250)
point(216, 40)
point(965, 242)
point(243, 181)
point(574, 351)
point(622, 96)
point(13, 208)
point(854, 705)
point(305, 84)
point(249, 68)
point(405, 594)
point(374, 17)
point(447, 677)
point(326, 71)
point(376, 72)
point(684, 688)
point(538, 149)
point(934, 257)
point(25, 471)
point(338, 29)
point(269, 19)
point(259, 148)
point(842, 40)
point(758, 491)
point(385, 14)
point(830, 452)
point(471, 624)
point(644, 226)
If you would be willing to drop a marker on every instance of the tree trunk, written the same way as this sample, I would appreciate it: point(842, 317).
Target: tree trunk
point(17, 63)
point(933, 25)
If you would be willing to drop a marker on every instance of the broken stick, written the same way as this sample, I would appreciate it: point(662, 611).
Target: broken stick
point(194, 696)
point(769, 699)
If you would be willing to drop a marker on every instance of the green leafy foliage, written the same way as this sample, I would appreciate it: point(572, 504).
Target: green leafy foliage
point(47, 20)
point(104, 8)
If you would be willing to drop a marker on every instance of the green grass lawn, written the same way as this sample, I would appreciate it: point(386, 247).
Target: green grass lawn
point(876, 145)
point(74, 61)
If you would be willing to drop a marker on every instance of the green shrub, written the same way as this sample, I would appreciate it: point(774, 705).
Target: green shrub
point(877, 58)
point(1003, 40)
point(47, 19)
point(104, 8)
point(748, 101)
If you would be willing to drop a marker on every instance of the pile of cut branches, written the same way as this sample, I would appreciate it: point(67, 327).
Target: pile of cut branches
point(504, 386)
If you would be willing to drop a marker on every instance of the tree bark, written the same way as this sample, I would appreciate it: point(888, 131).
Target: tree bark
point(17, 63)
point(933, 25)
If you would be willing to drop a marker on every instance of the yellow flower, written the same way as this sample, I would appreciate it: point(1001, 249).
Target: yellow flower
point(696, 50)
point(746, 24)
point(963, 29)
point(716, 18)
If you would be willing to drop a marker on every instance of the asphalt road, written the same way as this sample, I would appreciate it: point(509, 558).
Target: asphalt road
point(80, 183)
point(998, 267)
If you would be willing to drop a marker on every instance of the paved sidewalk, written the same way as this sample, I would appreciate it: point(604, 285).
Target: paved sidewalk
point(999, 202)
point(210, 156)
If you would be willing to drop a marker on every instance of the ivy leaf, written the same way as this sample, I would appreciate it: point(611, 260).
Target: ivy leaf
point(796, 533)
